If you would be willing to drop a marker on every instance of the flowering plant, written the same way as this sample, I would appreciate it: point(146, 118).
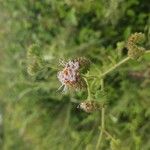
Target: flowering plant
point(75, 74)
point(70, 77)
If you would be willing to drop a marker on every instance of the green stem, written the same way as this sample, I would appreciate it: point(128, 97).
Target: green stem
point(90, 76)
point(102, 84)
point(102, 128)
point(119, 64)
point(115, 66)
point(103, 118)
point(111, 69)
point(88, 89)
point(110, 136)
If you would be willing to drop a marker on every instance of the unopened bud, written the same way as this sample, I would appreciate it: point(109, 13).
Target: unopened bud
point(135, 51)
point(89, 106)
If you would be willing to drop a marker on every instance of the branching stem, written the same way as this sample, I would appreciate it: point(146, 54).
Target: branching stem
point(101, 77)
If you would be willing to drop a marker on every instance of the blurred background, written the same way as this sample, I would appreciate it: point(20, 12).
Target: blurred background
point(33, 116)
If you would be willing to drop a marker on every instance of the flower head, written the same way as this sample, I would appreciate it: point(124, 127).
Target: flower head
point(70, 75)
point(134, 50)
point(89, 106)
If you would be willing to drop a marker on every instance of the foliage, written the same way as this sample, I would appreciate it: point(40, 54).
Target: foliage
point(33, 115)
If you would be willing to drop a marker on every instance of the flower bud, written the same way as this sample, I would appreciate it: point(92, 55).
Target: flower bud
point(89, 106)
point(135, 51)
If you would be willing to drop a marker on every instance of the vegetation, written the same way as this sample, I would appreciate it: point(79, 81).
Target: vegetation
point(109, 39)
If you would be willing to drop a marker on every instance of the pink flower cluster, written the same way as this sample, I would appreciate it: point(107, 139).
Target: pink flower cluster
point(69, 76)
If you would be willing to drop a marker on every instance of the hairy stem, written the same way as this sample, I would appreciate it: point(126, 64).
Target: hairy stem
point(115, 66)
point(111, 69)
point(88, 89)
point(102, 128)
point(102, 84)
point(110, 136)
point(119, 64)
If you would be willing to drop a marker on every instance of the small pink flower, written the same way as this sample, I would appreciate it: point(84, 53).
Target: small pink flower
point(70, 76)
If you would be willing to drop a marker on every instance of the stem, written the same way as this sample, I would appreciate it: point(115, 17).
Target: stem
point(102, 128)
point(103, 118)
point(112, 68)
point(119, 64)
point(115, 66)
point(110, 136)
point(90, 76)
point(102, 84)
point(88, 89)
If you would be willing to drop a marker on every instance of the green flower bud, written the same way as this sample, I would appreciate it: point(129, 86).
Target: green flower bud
point(135, 51)
point(136, 38)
